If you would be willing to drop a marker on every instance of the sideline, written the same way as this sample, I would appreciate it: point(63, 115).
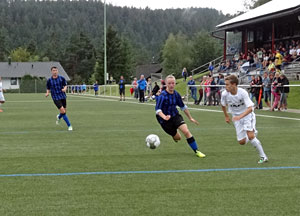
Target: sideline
point(148, 172)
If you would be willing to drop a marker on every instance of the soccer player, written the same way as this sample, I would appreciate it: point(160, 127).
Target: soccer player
point(2, 99)
point(57, 85)
point(243, 117)
point(169, 117)
point(122, 88)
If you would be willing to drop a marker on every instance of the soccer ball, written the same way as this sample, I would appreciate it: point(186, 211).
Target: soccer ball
point(152, 141)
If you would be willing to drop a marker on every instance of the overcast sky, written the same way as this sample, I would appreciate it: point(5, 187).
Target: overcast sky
point(227, 6)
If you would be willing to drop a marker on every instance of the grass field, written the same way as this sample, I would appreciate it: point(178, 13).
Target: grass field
point(109, 137)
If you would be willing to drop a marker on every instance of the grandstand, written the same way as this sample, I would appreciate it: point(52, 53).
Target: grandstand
point(260, 32)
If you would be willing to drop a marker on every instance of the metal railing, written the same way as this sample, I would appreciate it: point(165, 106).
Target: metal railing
point(206, 65)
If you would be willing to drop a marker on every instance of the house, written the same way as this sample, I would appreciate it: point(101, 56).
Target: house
point(12, 72)
point(149, 70)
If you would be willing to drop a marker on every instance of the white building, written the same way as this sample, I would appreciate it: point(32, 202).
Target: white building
point(12, 72)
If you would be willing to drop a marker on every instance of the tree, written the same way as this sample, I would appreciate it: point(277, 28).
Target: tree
point(120, 58)
point(20, 55)
point(251, 4)
point(3, 44)
point(176, 54)
point(205, 48)
point(80, 57)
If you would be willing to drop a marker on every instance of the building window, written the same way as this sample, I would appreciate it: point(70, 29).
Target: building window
point(13, 81)
point(250, 36)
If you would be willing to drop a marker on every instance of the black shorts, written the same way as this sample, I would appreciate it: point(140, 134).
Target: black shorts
point(170, 127)
point(60, 103)
point(122, 91)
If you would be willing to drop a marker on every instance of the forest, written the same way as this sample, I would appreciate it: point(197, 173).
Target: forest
point(71, 32)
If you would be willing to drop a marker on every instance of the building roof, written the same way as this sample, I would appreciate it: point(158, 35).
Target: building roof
point(277, 8)
point(147, 70)
point(37, 69)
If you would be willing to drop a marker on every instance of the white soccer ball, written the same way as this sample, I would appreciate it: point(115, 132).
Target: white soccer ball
point(152, 141)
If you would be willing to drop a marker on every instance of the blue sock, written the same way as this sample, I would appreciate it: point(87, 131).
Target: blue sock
point(60, 115)
point(65, 117)
point(192, 142)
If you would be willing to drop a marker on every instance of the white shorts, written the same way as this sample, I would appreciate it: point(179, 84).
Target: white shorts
point(245, 124)
point(2, 96)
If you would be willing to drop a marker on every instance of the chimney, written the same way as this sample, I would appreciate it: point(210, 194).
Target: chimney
point(9, 60)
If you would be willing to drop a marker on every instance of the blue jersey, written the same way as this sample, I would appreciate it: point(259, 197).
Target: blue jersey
point(55, 86)
point(122, 84)
point(166, 103)
point(96, 87)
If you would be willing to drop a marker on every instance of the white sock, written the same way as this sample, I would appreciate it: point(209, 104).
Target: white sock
point(256, 144)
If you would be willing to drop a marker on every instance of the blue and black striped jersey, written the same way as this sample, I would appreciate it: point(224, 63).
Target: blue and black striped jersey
point(55, 86)
point(166, 103)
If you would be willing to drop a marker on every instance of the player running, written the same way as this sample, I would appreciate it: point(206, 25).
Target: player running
point(57, 85)
point(169, 117)
point(243, 117)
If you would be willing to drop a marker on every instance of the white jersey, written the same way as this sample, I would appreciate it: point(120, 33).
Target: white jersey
point(1, 93)
point(238, 103)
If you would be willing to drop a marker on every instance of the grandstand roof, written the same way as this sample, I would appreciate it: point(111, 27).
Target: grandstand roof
point(38, 69)
point(272, 9)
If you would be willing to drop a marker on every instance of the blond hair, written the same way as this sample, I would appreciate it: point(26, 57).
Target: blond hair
point(170, 77)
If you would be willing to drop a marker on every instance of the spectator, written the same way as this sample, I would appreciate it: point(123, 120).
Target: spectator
point(122, 88)
point(275, 92)
point(149, 87)
point(201, 90)
point(220, 89)
point(278, 60)
point(284, 91)
point(142, 84)
point(211, 68)
point(96, 88)
point(135, 88)
point(193, 89)
point(184, 74)
point(259, 92)
point(155, 90)
point(83, 87)
point(206, 89)
point(267, 82)
point(213, 91)
point(271, 67)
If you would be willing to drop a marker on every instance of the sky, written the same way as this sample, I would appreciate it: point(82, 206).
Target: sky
point(226, 6)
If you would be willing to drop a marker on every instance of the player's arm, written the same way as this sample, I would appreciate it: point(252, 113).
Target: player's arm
point(158, 109)
point(248, 110)
point(184, 108)
point(64, 89)
point(65, 86)
point(227, 118)
point(48, 89)
point(188, 114)
point(224, 107)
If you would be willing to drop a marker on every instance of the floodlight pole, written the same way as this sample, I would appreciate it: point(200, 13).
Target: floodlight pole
point(105, 60)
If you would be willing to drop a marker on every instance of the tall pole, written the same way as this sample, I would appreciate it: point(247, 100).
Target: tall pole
point(105, 63)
